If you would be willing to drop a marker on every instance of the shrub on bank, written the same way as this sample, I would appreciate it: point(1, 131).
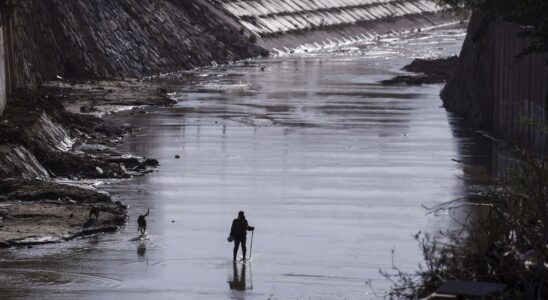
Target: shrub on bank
point(502, 238)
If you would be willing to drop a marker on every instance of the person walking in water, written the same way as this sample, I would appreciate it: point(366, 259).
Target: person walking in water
point(238, 232)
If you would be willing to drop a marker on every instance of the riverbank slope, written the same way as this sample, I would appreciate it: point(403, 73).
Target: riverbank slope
point(117, 39)
point(51, 158)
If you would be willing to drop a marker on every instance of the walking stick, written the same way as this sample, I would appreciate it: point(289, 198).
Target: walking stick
point(251, 246)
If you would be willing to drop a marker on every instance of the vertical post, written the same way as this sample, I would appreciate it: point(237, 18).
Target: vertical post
point(251, 248)
point(4, 86)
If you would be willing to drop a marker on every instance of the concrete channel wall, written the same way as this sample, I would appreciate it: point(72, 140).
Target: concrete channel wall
point(288, 24)
point(271, 17)
point(122, 38)
point(520, 89)
point(496, 88)
point(132, 38)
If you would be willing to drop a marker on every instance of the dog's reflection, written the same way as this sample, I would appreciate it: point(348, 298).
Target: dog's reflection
point(238, 281)
point(141, 249)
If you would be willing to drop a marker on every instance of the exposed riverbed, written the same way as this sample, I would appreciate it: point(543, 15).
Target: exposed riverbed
point(329, 165)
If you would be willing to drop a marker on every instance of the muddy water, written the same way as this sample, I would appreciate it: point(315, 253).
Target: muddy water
point(332, 168)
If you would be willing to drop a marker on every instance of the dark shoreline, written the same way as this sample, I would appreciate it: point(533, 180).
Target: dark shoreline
point(426, 71)
point(42, 144)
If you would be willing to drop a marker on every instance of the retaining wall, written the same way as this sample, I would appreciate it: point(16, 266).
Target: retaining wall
point(497, 89)
point(520, 108)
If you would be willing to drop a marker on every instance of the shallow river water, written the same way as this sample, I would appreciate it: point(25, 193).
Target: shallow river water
point(332, 168)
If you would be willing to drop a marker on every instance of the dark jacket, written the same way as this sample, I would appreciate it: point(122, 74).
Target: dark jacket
point(239, 229)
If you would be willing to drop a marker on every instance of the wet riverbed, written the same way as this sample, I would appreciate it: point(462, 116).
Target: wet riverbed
point(331, 167)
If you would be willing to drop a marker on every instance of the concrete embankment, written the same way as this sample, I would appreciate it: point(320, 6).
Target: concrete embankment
point(497, 88)
point(290, 23)
point(111, 39)
point(130, 38)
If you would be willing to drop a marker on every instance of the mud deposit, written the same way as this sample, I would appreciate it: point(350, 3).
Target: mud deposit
point(330, 166)
point(48, 152)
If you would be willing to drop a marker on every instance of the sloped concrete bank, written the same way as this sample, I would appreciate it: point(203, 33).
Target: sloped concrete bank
point(366, 31)
point(105, 39)
point(291, 23)
point(113, 39)
point(46, 151)
point(271, 17)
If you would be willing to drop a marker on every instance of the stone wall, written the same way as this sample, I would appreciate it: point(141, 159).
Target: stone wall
point(122, 38)
point(497, 89)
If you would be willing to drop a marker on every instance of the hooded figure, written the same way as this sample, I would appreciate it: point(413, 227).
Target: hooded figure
point(238, 232)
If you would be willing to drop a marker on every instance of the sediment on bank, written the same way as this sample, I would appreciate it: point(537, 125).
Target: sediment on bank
point(426, 71)
point(46, 150)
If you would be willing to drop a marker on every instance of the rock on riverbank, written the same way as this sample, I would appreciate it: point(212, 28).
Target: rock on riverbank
point(429, 71)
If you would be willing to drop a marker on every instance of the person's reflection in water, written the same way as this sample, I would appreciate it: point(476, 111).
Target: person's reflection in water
point(238, 282)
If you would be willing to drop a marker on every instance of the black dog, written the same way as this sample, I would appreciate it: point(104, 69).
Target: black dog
point(142, 223)
point(94, 211)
